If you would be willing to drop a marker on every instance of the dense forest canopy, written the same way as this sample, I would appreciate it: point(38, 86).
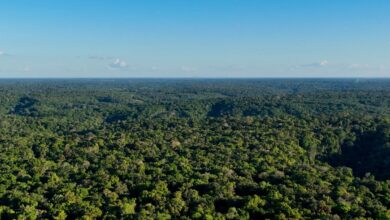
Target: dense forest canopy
point(195, 149)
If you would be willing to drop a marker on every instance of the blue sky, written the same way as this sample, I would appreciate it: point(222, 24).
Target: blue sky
point(195, 38)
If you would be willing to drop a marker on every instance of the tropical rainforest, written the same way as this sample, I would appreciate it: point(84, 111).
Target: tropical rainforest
point(195, 149)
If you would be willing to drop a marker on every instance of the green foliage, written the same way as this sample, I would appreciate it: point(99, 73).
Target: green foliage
point(195, 149)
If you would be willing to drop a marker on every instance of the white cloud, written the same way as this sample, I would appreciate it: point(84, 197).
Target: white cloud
point(26, 69)
point(118, 64)
point(322, 63)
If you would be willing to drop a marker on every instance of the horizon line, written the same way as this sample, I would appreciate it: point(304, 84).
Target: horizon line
point(168, 77)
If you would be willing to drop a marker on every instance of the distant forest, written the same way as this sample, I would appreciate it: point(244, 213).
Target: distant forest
point(195, 149)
